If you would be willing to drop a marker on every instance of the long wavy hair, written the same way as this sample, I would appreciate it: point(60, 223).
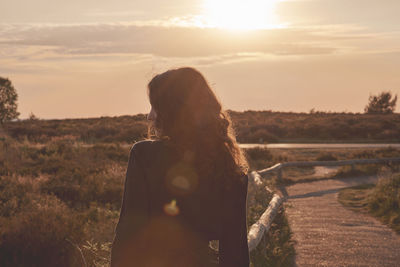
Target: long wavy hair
point(190, 117)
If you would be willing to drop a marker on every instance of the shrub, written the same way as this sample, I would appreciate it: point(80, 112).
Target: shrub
point(81, 190)
point(276, 247)
point(14, 196)
point(41, 235)
point(385, 200)
point(259, 158)
point(326, 157)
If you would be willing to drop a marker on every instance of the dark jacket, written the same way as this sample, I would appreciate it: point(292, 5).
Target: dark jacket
point(169, 214)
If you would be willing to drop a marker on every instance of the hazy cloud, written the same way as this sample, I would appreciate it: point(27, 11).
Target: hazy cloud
point(170, 41)
point(371, 14)
point(93, 11)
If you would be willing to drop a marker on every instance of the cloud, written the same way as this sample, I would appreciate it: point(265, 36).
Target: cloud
point(162, 41)
point(123, 43)
point(372, 14)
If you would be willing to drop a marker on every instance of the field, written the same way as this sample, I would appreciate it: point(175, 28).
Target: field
point(61, 181)
point(250, 126)
point(62, 198)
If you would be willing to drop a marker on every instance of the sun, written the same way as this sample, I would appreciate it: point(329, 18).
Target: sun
point(240, 14)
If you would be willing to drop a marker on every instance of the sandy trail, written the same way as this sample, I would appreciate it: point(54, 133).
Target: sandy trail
point(328, 234)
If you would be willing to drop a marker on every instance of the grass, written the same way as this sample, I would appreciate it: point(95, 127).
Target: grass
point(356, 198)
point(63, 195)
point(57, 197)
point(251, 127)
point(260, 158)
point(63, 179)
point(381, 200)
point(277, 246)
point(278, 127)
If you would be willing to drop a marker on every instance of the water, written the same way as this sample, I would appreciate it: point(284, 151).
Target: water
point(319, 145)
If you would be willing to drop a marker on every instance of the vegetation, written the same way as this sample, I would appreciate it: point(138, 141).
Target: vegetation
point(381, 104)
point(261, 158)
point(250, 126)
point(280, 127)
point(385, 201)
point(8, 101)
point(276, 247)
point(368, 169)
point(381, 200)
point(123, 129)
point(61, 198)
point(61, 181)
point(56, 198)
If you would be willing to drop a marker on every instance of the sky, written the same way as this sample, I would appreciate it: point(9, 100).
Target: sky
point(91, 58)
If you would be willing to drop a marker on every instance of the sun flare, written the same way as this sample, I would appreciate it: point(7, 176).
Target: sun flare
point(241, 14)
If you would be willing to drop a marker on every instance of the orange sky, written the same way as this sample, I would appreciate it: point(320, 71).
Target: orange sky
point(94, 58)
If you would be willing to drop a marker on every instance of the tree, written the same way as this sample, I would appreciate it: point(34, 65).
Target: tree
point(381, 104)
point(33, 117)
point(8, 101)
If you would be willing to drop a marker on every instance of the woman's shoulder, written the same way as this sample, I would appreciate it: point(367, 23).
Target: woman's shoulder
point(147, 149)
point(145, 145)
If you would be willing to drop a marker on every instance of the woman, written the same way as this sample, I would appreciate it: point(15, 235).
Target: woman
point(185, 187)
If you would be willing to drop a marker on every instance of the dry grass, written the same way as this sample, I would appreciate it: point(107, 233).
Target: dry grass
point(381, 200)
point(356, 198)
point(251, 127)
point(268, 157)
point(83, 184)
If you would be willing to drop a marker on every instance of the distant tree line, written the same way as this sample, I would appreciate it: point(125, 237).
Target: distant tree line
point(250, 127)
point(379, 124)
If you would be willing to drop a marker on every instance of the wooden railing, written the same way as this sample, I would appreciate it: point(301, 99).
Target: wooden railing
point(258, 229)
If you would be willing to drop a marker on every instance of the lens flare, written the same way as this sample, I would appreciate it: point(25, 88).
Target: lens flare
point(181, 179)
point(171, 208)
point(181, 182)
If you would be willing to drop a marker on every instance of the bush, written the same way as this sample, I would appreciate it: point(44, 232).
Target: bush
point(384, 201)
point(259, 158)
point(14, 196)
point(276, 247)
point(42, 235)
point(80, 191)
point(326, 157)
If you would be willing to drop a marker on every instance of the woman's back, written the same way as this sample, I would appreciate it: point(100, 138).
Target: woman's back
point(186, 188)
point(170, 212)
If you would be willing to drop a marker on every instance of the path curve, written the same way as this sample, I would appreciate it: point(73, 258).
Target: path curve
point(327, 234)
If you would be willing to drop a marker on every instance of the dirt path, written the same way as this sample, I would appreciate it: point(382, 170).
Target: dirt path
point(328, 234)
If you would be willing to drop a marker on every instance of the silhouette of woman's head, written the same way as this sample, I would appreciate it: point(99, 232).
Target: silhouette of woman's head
point(183, 102)
point(186, 110)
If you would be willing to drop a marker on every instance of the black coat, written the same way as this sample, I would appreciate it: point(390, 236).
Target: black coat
point(169, 214)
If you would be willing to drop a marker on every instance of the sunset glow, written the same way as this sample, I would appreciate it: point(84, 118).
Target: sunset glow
point(240, 14)
point(286, 55)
